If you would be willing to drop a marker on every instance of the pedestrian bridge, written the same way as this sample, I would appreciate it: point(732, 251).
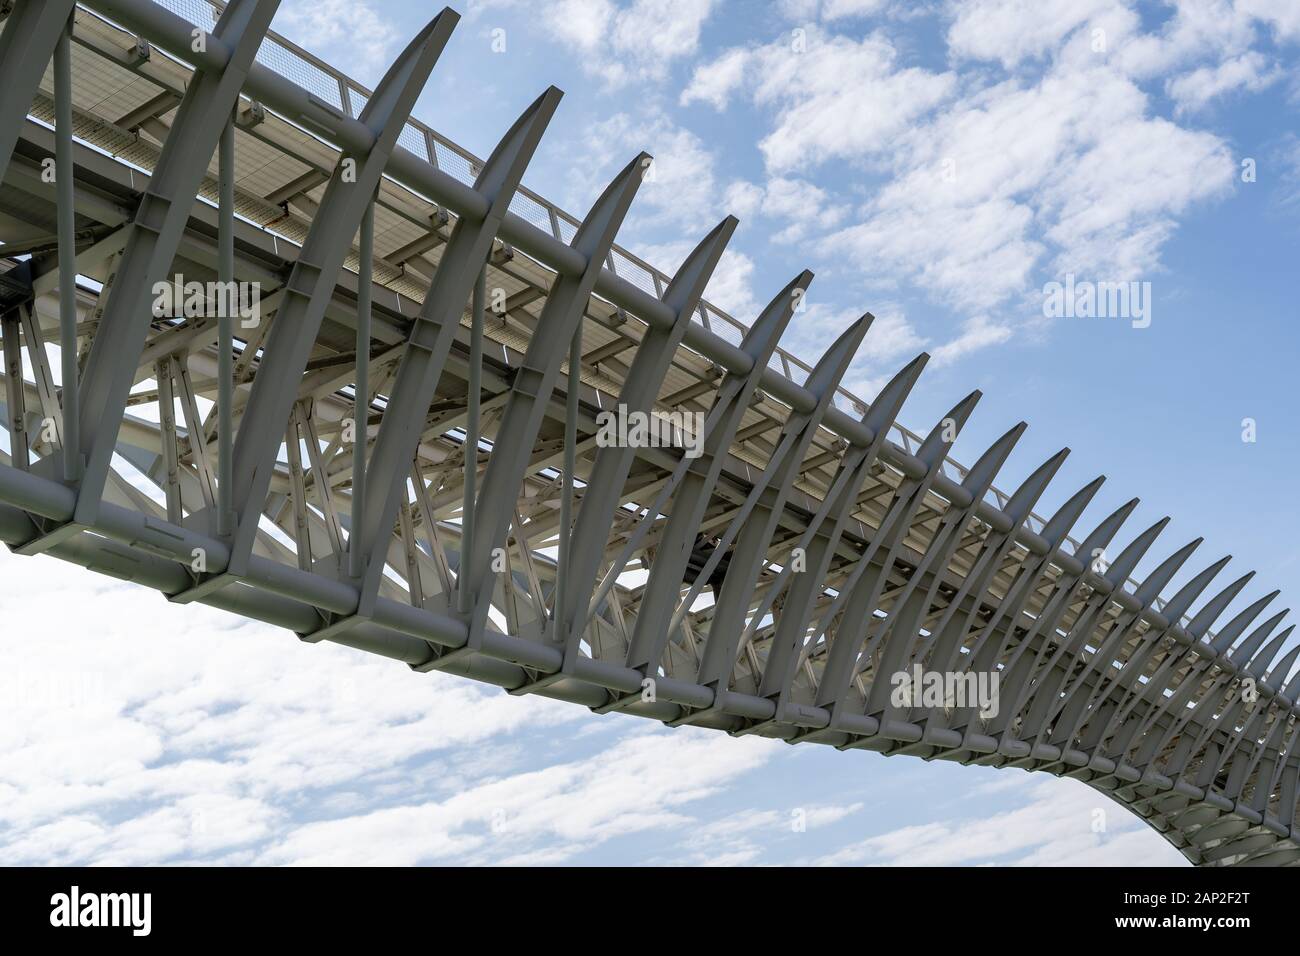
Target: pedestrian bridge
point(272, 345)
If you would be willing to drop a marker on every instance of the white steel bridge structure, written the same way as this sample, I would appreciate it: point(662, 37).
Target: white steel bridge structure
point(401, 452)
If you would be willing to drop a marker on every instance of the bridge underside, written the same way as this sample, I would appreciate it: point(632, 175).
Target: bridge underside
point(405, 447)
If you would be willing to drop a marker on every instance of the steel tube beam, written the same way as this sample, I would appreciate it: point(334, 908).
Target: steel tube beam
point(361, 388)
point(225, 332)
point(65, 178)
point(473, 396)
point(559, 607)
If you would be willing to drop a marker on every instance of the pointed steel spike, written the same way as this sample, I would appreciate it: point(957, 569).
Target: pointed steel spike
point(1208, 614)
point(1059, 525)
point(1104, 532)
point(761, 337)
point(936, 444)
point(688, 283)
point(982, 473)
point(830, 368)
point(1233, 629)
point(1278, 672)
point(607, 213)
point(1276, 679)
point(1122, 567)
point(1155, 582)
point(1177, 606)
point(502, 170)
point(1258, 663)
point(1031, 489)
point(409, 66)
point(882, 412)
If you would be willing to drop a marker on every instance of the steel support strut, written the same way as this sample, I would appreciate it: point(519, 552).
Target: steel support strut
point(310, 285)
point(431, 335)
point(152, 240)
point(31, 35)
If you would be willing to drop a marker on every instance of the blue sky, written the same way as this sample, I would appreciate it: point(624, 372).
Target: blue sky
point(936, 164)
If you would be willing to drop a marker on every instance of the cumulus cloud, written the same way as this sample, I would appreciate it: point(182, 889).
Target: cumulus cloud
point(1064, 167)
point(1282, 19)
point(1072, 165)
point(833, 97)
point(1010, 31)
point(714, 82)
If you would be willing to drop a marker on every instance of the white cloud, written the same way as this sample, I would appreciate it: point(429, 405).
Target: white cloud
point(139, 732)
point(142, 731)
point(830, 9)
point(1010, 31)
point(1063, 823)
point(1068, 170)
point(584, 23)
point(713, 83)
point(795, 206)
point(834, 97)
point(643, 782)
point(1281, 16)
point(743, 198)
point(845, 9)
point(678, 189)
point(621, 44)
point(1249, 71)
point(352, 33)
point(977, 333)
point(740, 838)
point(1071, 164)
